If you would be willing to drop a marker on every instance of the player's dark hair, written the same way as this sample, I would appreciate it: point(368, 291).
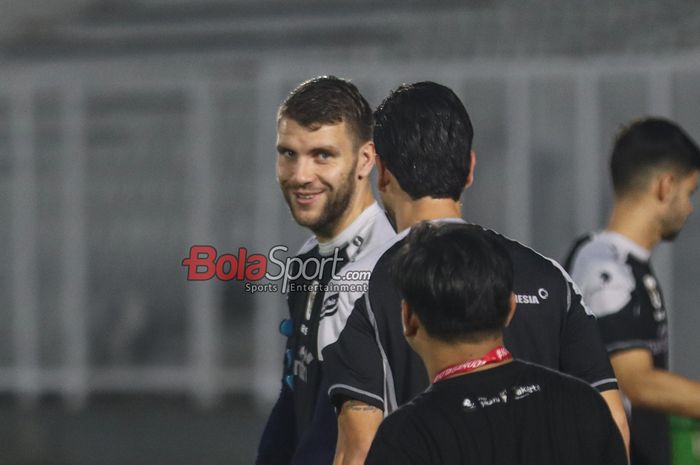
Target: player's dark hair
point(329, 100)
point(646, 145)
point(423, 135)
point(457, 279)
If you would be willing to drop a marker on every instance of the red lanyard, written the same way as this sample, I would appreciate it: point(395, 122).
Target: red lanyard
point(498, 354)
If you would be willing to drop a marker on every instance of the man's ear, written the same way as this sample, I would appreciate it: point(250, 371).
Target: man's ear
point(408, 320)
point(366, 159)
point(382, 176)
point(472, 167)
point(663, 186)
point(511, 308)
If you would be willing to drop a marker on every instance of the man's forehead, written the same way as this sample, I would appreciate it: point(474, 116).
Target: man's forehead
point(285, 123)
point(289, 129)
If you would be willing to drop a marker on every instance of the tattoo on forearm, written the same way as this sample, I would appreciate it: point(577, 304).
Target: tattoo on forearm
point(357, 406)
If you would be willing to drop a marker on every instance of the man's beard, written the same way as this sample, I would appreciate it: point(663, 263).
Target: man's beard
point(336, 206)
point(672, 228)
point(671, 236)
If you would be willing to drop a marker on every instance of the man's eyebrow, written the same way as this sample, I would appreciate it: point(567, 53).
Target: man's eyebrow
point(324, 148)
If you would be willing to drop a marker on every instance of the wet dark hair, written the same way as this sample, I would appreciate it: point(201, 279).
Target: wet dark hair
point(423, 134)
point(457, 279)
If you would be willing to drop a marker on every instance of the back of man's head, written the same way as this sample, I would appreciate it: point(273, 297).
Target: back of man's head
point(646, 146)
point(457, 279)
point(329, 100)
point(423, 135)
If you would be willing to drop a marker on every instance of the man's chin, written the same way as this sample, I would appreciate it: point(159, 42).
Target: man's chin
point(670, 237)
point(305, 220)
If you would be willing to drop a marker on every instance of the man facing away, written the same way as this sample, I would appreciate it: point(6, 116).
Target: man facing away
point(483, 408)
point(324, 158)
point(655, 167)
point(423, 136)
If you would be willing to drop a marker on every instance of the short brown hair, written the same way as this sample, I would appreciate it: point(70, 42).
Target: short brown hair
point(329, 100)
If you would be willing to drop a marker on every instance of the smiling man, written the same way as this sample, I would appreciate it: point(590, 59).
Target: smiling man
point(324, 156)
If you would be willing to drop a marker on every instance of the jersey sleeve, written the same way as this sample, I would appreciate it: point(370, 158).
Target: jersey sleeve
point(609, 291)
point(583, 352)
point(601, 438)
point(353, 363)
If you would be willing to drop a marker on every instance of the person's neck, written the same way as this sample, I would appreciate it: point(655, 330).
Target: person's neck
point(426, 208)
point(632, 220)
point(439, 355)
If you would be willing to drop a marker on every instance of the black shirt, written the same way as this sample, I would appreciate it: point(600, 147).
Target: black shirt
point(517, 413)
point(621, 289)
point(367, 358)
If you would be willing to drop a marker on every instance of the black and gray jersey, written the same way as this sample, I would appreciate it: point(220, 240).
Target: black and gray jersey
point(620, 287)
point(366, 357)
point(303, 372)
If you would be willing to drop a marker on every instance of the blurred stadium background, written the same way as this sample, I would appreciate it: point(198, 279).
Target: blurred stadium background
point(131, 130)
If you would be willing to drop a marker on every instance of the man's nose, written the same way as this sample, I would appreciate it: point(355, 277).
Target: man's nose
point(303, 170)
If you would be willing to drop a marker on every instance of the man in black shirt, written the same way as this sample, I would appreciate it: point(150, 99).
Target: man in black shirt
point(483, 408)
point(423, 136)
point(324, 157)
point(655, 168)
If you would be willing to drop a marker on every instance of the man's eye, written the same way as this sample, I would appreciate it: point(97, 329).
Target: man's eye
point(287, 153)
point(324, 155)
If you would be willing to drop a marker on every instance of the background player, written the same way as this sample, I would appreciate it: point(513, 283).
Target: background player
point(483, 408)
point(423, 136)
point(655, 168)
point(324, 157)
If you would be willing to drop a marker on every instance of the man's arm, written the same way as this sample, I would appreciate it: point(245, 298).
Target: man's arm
point(617, 409)
point(613, 449)
point(357, 424)
point(355, 372)
point(652, 388)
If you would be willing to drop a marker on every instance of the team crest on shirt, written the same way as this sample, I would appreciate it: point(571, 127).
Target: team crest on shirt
point(655, 297)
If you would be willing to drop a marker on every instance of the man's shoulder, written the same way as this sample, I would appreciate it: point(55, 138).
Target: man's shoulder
point(601, 269)
point(596, 249)
point(563, 382)
point(525, 256)
point(352, 281)
point(385, 258)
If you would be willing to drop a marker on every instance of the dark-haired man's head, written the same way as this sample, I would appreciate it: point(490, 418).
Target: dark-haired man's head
point(654, 160)
point(324, 148)
point(423, 136)
point(457, 280)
